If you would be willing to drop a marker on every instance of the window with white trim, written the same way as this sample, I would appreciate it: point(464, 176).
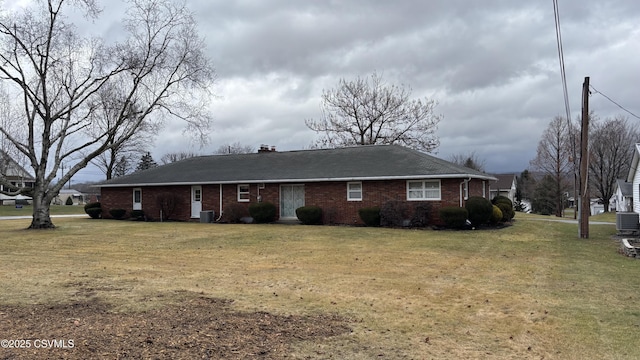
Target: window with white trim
point(423, 190)
point(243, 193)
point(354, 191)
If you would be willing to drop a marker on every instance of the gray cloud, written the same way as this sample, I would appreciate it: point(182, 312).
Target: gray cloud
point(492, 65)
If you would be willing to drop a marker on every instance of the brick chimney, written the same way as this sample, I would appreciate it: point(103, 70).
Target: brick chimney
point(265, 149)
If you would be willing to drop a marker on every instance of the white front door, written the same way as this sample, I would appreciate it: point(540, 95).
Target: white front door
point(196, 201)
point(137, 199)
point(291, 198)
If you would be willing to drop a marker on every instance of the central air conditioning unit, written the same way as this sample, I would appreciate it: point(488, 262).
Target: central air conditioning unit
point(627, 221)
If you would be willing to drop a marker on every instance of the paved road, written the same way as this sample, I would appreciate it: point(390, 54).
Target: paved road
point(29, 216)
point(570, 221)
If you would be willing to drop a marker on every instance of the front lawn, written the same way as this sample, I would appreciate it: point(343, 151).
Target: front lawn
point(27, 210)
point(532, 290)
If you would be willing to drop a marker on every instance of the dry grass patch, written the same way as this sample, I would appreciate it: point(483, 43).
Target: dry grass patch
point(532, 290)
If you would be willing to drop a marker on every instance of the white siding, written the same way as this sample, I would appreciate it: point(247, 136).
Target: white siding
point(636, 190)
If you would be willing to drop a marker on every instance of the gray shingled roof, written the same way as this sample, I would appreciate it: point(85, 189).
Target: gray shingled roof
point(626, 188)
point(374, 162)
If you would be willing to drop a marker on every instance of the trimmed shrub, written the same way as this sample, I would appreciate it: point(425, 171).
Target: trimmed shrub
point(507, 211)
point(507, 208)
point(92, 205)
point(117, 214)
point(264, 212)
point(496, 216)
point(137, 215)
point(69, 201)
point(94, 210)
point(309, 215)
point(480, 210)
point(395, 214)
point(454, 217)
point(370, 216)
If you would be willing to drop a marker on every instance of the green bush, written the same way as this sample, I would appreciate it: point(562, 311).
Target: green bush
point(94, 212)
point(507, 208)
point(309, 215)
point(92, 205)
point(454, 217)
point(117, 214)
point(370, 216)
point(507, 211)
point(264, 212)
point(137, 214)
point(496, 216)
point(480, 210)
point(69, 201)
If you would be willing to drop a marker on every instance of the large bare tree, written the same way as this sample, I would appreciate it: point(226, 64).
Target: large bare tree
point(57, 77)
point(554, 158)
point(611, 146)
point(368, 111)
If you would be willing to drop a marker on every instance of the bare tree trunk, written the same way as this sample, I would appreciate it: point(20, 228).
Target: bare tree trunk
point(41, 214)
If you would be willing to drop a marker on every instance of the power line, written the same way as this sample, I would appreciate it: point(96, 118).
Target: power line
point(563, 73)
point(608, 98)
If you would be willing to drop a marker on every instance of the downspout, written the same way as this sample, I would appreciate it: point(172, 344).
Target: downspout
point(462, 190)
point(220, 209)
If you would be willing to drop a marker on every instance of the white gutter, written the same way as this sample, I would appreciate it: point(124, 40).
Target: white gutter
point(273, 181)
point(220, 212)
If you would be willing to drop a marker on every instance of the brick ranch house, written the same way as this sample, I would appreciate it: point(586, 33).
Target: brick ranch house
point(340, 181)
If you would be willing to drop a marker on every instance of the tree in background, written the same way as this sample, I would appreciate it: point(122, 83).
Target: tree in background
point(544, 200)
point(176, 156)
point(108, 103)
point(54, 77)
point(470, 160)
point(611, 146)
point(235, 148)
point(122, 167)
point(146, 162)
point(368, 111)
point(554, 159)
point(524, 190)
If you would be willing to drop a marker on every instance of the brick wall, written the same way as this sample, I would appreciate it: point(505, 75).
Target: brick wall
point(330, 196)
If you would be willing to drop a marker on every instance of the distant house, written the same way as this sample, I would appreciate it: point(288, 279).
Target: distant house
point(16, 175)
point(505, 186)
point(76, 196)
point(340, 181)
point(622, 199)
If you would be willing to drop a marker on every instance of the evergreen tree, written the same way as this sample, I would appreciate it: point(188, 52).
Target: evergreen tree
point(146, 162)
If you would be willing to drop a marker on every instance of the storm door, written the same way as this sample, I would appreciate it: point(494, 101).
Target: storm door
point(291, 198)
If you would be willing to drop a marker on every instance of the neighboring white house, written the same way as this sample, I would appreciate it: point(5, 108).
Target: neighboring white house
point(634, 179)
point(76, 196)
point(16, 175)
point(505, 186)
point(622, 199)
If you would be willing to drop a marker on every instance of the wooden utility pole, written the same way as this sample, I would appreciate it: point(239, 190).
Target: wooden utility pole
point(583, 221)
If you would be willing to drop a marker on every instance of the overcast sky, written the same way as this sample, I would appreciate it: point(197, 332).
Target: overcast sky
point(492, 65)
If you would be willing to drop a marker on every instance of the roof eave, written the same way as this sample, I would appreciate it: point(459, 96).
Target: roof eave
point(304, 180)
